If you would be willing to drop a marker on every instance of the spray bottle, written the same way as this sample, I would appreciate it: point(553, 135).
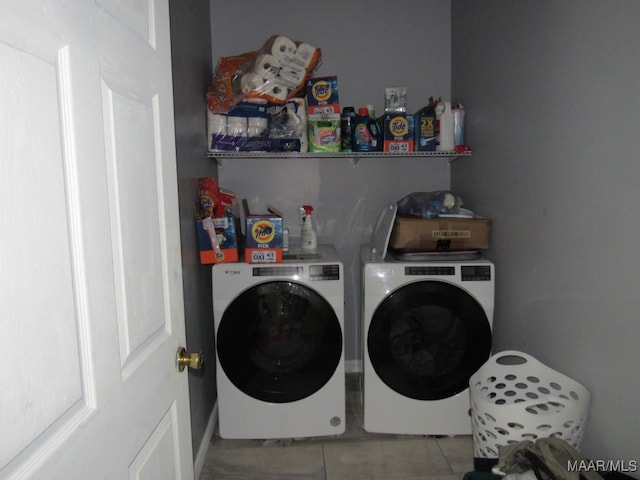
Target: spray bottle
point(309, 236)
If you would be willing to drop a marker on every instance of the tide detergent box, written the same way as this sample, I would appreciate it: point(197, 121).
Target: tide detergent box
point(264, 235)
point(217, 240)
point(397, 132)
point(322, 96)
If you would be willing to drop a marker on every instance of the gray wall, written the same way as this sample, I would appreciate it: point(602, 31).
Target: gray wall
point(552, 94)
point(191, 58)
point(369, 45)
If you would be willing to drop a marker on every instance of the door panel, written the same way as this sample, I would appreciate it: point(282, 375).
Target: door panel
point(156, 459)
point(134, 14)
point(91, 304)
point(129, 122)
point(44, 317)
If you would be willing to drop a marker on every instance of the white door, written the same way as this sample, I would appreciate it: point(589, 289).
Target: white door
point(91, 305)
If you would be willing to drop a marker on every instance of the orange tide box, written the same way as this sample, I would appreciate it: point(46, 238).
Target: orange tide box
point(222, 249)
point(263, 234)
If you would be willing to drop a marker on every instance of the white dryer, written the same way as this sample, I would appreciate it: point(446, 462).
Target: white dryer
point(279, 347)
point(426, 330)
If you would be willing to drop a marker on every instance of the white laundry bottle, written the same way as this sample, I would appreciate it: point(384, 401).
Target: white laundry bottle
point(308, 234)
point(444, 115)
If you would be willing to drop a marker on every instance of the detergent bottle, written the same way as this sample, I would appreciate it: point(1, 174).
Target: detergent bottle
point(309, 236)
point(366, 134)
point(445, 141)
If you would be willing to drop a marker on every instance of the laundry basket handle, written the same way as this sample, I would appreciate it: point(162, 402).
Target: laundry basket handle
point(509, 358)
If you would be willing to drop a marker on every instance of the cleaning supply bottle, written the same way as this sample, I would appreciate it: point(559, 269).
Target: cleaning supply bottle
point(346, 125)
point(366, 133)
point(444, 114)
point(309, 236)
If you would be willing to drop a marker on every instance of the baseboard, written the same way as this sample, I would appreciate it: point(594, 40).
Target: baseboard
point(198, 463)
point(353, 366)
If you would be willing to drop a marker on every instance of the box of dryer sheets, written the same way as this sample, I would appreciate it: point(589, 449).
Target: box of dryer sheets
point(263, 235)
point(441, 233)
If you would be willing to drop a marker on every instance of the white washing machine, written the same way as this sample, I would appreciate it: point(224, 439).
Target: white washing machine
point(427, 327)
point(280, 347)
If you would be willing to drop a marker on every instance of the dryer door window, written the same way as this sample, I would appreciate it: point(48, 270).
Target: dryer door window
point(279, 341)
point(427, 338)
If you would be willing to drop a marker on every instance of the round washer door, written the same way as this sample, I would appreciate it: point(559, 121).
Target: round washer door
point(427, 338)
point(279, 341)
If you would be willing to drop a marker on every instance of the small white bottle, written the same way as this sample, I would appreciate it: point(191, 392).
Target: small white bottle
point(445, 117)
point(308, 234)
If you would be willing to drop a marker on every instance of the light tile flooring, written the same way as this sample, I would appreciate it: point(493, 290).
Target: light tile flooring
point(355, 455)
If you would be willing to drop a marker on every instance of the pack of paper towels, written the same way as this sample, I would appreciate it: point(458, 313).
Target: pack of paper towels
point(275, 73)
point(280, 69)
point(248, 125)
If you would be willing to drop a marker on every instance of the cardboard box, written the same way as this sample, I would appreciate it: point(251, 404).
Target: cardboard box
point(397, 132)
point(426, 131)
point(442, 233)
point(322, 96)
point(263, 235)
point(227, 239)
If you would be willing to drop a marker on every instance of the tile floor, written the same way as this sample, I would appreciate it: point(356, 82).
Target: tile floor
point(355, 455)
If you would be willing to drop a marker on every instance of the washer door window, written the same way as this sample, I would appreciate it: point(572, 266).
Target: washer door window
point(426, 339)
point(279, 342)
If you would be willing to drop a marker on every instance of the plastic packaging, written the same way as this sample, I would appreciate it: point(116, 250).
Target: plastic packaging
point(260, 126)
point(445, 119)
point(309, 236)
point(395, 99)
point(366, 133)
point(429, 204)
point(276, 73)
point(324, 133)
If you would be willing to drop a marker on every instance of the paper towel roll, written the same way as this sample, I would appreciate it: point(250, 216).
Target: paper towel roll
point(304, 56)
point(267, 66)
point(276, 90)
point(257, 127)
point(217, 123)
point(237, 126)
point(283, 47)
point(250, 81)
point(291, 77)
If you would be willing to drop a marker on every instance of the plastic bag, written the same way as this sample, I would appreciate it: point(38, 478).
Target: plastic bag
point(275, 73)
point(429, 204)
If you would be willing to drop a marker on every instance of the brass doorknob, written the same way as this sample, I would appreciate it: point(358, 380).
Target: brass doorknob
point(191, 360)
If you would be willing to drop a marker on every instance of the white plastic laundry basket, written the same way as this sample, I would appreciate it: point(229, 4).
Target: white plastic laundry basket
point(514, 397)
